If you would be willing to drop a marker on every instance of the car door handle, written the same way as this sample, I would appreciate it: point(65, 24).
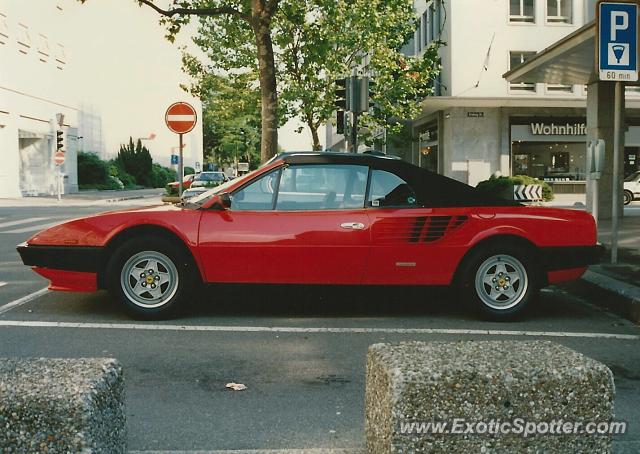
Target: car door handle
point(352, 225)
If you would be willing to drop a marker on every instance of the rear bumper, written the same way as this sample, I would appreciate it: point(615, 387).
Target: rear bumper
point(570, 257)
point(86, 259)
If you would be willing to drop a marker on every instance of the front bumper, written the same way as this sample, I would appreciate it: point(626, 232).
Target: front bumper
point(570, 257)
point(86, 259)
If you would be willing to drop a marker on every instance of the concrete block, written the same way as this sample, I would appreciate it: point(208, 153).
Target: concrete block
point(62, 405)
point(460, 383)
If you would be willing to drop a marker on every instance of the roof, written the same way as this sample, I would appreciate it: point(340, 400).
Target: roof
point(570, 60)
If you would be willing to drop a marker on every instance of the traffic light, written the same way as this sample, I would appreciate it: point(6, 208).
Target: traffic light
point(342, 94)
point(340, 122)
point(358, 94)
point(59, 140)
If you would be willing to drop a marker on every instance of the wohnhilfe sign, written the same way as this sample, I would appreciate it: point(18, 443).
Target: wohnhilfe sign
point(552, 129)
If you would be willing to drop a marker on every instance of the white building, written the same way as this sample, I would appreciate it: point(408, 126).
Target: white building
point(105, 66)
point(476, 123)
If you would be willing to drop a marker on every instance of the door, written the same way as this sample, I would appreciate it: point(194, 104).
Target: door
point(408, 242)
point(300, 224)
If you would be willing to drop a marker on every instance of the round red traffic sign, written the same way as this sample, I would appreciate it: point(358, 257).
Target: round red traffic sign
point(181, 117)
point(58, 158)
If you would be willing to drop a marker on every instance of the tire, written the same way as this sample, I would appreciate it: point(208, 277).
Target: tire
point(628, 197)
point(511, 268)
point(152, 277)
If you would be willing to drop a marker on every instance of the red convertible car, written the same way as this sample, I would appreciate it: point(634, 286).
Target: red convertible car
point(322, 218)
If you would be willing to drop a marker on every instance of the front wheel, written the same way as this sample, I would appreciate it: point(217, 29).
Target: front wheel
point(628, 197)
point(151, 276)
point(499, 281)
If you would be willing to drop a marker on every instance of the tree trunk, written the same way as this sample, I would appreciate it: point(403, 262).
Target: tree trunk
point(268, 91)
point(314, 135)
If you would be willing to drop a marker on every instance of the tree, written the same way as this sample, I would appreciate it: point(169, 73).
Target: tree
point(318, 41)
point(136, 161)
point(231, 21)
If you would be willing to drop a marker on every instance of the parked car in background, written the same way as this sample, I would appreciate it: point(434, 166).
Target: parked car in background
point(322, 218)
point(209, 179)
point(632, 188)
point(172, 188)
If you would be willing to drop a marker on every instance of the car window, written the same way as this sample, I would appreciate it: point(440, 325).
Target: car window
point(634, 177)
point(389, 190)
point(322, 187)
point(258, 195)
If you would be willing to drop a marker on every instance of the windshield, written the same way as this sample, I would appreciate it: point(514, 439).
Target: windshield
point(210, 177)
point(199, 200)
point(635, 176)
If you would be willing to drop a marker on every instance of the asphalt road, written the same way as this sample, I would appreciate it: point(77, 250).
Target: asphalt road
point(300, 351)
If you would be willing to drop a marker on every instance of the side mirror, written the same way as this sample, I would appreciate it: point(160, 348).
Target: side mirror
point(221, 201)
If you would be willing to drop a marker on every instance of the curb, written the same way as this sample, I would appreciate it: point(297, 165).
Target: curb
point(630, 294)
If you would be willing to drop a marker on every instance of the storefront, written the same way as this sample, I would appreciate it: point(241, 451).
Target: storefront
point(428, 147)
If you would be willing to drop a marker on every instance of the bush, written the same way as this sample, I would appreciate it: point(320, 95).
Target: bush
point(161, 176)
point(189, 170)
point(136, 161)
point(92, 170)
point(500, 186)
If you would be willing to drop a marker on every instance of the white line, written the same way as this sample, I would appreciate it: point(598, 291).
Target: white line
point(293, 329)
point(262, 451)
point(2, 283)
point(32, 228)
point(21, 221)
point(25, 299)
point(181, 117)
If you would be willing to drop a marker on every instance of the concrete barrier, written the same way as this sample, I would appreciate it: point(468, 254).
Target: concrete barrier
point(62, 405)
point(467, 385)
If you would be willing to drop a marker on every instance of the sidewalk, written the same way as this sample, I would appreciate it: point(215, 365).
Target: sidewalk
point(622, 279)
point(84, 198)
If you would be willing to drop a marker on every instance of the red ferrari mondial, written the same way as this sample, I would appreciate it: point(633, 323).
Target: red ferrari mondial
point(322, 218)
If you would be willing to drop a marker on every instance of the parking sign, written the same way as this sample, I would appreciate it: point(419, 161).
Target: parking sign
point(618, 41)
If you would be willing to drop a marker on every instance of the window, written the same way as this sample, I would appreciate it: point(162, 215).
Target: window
point(4, 29)
point(389, 190)
point(257, 196)
point(559, 89)
point(522, 11)
point(559, 12)
point(43, 48)
point(24, 40)
point(430, 23)
point(61, 56)
point(322, 187)
point(515, 59)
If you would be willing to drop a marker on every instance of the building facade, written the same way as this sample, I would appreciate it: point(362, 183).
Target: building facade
point(57, 73)
point(476, 124)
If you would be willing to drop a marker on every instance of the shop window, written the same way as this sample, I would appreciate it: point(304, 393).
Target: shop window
point(428, 149)
point(522, 11)
point(549, 161)
point(559, 12)
point(4, 29)
point(516, 58)
point(24, 39)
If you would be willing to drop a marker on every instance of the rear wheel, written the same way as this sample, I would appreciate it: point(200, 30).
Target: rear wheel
point(628, 197)
point(151, 276)
point(499, 281)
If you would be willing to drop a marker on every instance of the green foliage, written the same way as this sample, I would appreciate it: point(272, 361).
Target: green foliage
point(136, 161)
point(316, 42)
point(501, 186)
point(188, 171)
point(92, 170)
point(160, 176)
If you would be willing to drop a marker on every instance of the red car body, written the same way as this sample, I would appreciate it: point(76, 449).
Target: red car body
point(186, 183)
point(417, 245)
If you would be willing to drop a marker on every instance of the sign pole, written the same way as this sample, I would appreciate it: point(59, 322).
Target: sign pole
point(616, 171)
point(59, 185)
point(180, 168)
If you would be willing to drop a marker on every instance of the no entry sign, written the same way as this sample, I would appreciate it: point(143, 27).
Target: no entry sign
point(181, 117)
point(58, 158)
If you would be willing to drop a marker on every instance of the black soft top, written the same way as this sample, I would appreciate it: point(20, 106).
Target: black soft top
point(432, 189)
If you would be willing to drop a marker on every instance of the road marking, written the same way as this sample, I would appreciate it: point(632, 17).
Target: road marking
point(22, 221)
point(261, 451)
point(25, 299)
point(310, 330)
point(2, 283)
point(32, 228)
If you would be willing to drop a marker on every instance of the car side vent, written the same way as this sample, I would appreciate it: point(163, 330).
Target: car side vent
point(423, 229)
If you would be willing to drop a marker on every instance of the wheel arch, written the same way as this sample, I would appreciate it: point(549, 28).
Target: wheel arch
point(144, 230)
point(500, 239)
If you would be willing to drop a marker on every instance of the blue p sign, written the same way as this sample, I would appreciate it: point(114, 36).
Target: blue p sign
point(618, 41)
point(174, 159)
